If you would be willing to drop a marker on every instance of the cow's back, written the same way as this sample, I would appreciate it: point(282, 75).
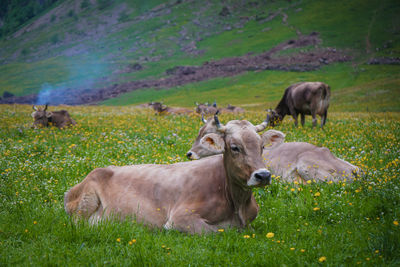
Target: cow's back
point(61, 118)
point(308, 162)
point(306, 96)
point(150, 192)
point(281, 159)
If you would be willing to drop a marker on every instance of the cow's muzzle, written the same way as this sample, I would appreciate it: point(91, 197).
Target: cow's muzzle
point(192, 155)
point(260, 177)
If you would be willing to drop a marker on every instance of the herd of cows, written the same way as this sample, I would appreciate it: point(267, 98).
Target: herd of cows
point(215, 192)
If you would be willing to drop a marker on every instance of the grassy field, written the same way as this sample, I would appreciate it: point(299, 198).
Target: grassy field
point(314, 224)
point(354, 88)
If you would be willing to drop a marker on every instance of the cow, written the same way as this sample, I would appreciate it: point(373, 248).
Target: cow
point(232, 109)
point(195, 197)
point(292, 161)
point(163, 109)
point(304, 98)
point(44, 118)
point(206, 109)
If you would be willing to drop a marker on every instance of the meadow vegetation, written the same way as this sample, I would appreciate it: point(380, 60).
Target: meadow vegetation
point(85, 45)
point(318, 223)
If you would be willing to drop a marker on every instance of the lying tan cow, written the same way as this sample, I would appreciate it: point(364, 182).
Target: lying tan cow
point(43, 118)
point(291, 161)
point(163, 109)
point(195, 197)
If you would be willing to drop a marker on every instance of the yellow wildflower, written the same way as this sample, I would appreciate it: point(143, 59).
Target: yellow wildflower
point(322, 259)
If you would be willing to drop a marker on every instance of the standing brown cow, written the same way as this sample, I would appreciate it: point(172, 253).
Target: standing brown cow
point(44, 118)
point(305, 98)
point(195, 197)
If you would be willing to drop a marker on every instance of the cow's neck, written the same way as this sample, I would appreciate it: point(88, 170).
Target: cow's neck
point(282, 109)
point(239, 196)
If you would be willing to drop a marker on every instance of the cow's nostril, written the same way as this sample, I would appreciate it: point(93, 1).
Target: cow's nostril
point(263, 176)
point(189, 154)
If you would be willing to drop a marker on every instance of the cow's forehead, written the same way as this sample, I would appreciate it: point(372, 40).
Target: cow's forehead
point(237, 126)
point(241, 130)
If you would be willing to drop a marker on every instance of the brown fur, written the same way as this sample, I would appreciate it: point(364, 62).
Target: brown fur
point(163, 109)
point(194, 197)
point(291, 161)
point(44, 118)
point(206, 109)
point(305, 98)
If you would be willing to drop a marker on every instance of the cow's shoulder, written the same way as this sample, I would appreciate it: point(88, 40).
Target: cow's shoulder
point(101, 175)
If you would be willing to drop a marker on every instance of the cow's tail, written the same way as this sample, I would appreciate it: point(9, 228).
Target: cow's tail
point(84, 199)
point(326, 92)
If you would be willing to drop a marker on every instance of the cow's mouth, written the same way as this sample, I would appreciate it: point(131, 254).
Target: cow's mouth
point(260, 177)
point(192, 155)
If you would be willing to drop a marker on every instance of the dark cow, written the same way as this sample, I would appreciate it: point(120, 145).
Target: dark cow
point(196, 197)
point(44, 118)
point(305, 98)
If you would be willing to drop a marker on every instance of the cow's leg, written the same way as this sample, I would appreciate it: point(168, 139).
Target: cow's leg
point(188, 221)
point(84, 199)
point(323, 118)
point(302, 119)
point(294, 115)
point(314, 118)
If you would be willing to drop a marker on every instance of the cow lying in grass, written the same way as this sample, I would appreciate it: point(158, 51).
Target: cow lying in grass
point(195, 197)
point(293, 161)
point(164, 110)
point(44, 118)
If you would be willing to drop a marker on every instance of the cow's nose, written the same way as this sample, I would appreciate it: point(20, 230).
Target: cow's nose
point(263, 176)
point(189, 155)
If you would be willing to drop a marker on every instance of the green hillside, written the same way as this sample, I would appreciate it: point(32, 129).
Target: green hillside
point(94, 44)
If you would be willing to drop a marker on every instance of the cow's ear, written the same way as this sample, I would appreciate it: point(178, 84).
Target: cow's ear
point(213, 142)
point(49, 114)
point(273, 137)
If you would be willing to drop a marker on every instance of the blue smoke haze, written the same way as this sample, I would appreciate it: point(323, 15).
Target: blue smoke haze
point(83, 73)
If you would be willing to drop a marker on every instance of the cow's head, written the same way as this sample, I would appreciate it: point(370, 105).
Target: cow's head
point(41, 117)
point(201, 108)
point(273, 117)
point(241, 145)
point(201, 148)
point(158, 106)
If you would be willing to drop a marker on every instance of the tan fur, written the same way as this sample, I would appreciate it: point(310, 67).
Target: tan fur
point(194, 197)
point(294, 161)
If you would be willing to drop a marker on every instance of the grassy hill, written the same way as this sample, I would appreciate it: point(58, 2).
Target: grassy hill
point(95, 44)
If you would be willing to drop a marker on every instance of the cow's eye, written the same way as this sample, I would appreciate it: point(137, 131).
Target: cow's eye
point(235, 148)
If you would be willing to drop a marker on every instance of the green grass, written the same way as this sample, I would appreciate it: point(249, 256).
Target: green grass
point(355, 223)
point(345, 25)
point(353, 89)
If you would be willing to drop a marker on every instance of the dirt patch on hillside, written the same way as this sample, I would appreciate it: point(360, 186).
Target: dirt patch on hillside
point(180, 75)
